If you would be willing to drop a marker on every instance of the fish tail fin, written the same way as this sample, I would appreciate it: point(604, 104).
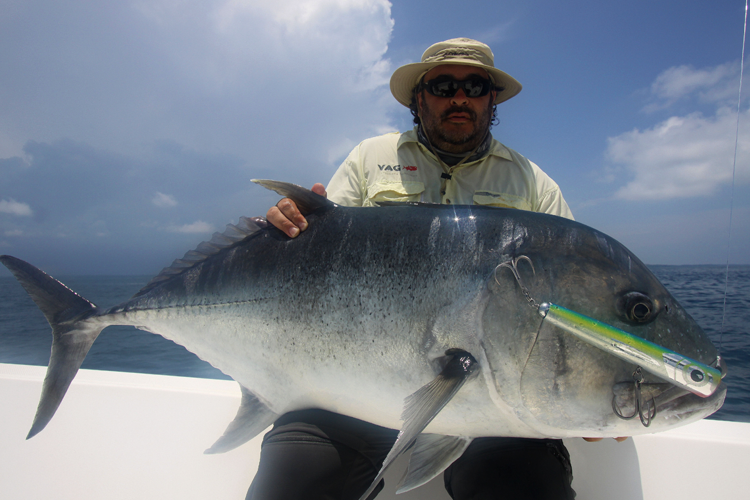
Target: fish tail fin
point(72, 335)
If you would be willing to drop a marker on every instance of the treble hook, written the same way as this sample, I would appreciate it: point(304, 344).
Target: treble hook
point(639, 403)
point(513, 266)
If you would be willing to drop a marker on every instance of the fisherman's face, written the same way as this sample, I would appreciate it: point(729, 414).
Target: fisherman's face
point(455, 124)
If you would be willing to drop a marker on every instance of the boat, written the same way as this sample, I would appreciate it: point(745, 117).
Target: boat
point(139, 436)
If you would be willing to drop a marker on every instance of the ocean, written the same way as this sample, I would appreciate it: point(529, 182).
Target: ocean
point(25, 335)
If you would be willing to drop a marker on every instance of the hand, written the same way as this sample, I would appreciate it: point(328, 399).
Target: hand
point(286, 217)
point(592, 440)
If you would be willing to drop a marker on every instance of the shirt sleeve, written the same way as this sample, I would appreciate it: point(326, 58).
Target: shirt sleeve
point(345, 187)
point(550, 198)
point(552, 202)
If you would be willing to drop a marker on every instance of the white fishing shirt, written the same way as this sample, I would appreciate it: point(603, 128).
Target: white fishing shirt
point(397, 167)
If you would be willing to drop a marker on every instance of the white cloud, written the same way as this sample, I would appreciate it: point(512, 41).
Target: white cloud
point(498, 33)
point(683, 156)
point(14, 207)
point(196, 227)
point(717, 83)
point(239, 77)
point(162, 200)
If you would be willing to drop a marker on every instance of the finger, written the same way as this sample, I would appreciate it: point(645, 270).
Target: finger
point(279, 220)
point(291, 212)
point(320, 189)
point(593, 440)
point(287, 218)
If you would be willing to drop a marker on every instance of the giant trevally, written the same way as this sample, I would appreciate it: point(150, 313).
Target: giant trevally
point(415, 317)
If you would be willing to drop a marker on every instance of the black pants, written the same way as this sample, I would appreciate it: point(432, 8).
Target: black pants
point(318, 455)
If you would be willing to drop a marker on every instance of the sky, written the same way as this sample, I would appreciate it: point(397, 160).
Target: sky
point(130, 131)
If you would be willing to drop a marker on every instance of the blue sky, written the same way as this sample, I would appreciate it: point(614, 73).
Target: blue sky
point(129, 131)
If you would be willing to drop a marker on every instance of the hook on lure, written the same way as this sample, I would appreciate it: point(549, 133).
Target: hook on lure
point(513, 266)
point(640, 404)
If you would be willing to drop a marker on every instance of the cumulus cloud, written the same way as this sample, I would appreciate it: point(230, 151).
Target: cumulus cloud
point(713, 84)
point(238, 76)
point(162, 200)
point(13, 207)
point(198, 227)
point(684, 155)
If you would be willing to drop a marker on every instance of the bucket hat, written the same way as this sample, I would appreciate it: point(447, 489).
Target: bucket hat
point(463, 51)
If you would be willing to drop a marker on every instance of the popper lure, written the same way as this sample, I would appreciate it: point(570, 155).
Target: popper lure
point(687, 373)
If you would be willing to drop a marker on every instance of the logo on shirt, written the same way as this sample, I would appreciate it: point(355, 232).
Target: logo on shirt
point(397, 168)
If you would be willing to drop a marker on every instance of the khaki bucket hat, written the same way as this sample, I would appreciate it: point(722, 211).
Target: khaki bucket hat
point(464, 51)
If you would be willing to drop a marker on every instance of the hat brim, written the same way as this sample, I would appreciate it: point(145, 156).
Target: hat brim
point(405, 78)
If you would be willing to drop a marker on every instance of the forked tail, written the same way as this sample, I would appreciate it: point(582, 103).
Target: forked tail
point(72, 335)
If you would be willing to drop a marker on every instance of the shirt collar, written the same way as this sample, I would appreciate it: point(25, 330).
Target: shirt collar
point(496, 148)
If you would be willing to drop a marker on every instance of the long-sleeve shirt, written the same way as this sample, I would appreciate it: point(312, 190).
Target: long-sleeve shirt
point(397, 167)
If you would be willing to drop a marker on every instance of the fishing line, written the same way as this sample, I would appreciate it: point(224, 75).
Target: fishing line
point(734, 170)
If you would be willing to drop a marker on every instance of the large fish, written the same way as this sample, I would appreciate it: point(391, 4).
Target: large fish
point(414, 317)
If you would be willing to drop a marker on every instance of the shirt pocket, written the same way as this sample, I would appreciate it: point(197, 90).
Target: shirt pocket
point(504, 200)
point(395, 190)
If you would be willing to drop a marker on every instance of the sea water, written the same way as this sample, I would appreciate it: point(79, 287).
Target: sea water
point(25, 335)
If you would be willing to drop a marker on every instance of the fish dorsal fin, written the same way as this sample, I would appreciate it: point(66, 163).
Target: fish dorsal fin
point(431, 455)
point(307, 202)
point(423, 406)
point(246, 227)
point(252, 417)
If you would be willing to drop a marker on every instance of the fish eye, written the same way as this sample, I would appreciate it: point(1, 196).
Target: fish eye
point(638, 308)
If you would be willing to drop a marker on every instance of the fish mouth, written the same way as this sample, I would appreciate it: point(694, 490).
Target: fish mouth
point(670, 401)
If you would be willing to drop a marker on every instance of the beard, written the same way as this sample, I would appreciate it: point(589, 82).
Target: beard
point(450, 138)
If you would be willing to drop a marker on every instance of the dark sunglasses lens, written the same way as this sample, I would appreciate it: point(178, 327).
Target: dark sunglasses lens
point(475, 87)
point(444, 88)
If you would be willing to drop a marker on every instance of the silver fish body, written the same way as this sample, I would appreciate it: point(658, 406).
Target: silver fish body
point(360, 311)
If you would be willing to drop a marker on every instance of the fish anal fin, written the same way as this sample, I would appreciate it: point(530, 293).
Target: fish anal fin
point(431, 455)
point(424, 405)
point(252, 417)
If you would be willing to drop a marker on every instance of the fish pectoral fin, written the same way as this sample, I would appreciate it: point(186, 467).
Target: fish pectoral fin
point(72, 335)
point(423, 406)
point(307, 202)
point(252, 417)
point(431, 455)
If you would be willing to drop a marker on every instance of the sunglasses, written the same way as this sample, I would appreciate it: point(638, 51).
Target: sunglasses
point(445, 86)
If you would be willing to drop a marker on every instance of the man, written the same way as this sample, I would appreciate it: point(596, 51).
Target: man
point(450, 157)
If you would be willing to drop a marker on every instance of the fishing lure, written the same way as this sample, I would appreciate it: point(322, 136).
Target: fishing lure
point(680, 370)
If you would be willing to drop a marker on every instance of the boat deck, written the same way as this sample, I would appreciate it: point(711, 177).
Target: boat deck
point(129, 435)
